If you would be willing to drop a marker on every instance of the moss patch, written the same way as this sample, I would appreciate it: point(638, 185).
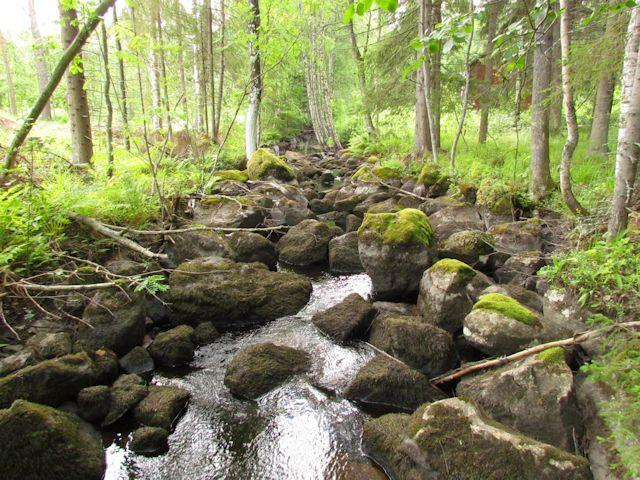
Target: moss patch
point(263, 164)
point(455, 266)
point(496, 302)
point(404, 227)
point(231, 175)
point(552, 355)
point(364, 174)
point(429, 175)
point(495, 196)
point(387, 172)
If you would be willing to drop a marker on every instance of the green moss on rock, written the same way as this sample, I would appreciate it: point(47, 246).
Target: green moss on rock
point(496, 196)
point(451, 265)
point(552, 355)
point(387, 172)
point(364, 174)
point(263, 164)
point(508, 307)
point(231, 175)
point(429, 175)
point(408, 226)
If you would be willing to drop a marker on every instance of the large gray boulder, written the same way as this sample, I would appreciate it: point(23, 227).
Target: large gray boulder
point(468, 246)
point(189, 245)
point(249, 247)
point(395, 250)
point(448, 290)
point(232, 295)
point(305, 244)
point(174, 347)
point(347, 320)
point(223, 211)
point(453, 439)
point(42, 443)
point(518, 237)
point(535, 396)
point(343, 254)
point(420, 345)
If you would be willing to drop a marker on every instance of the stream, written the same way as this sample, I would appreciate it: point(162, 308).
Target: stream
point(298, 431)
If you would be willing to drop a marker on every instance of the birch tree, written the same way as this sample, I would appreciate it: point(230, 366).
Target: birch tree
point(42, 72)
point(255, 80)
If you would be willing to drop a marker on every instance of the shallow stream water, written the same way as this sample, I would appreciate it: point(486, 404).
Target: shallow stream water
point(299, 431)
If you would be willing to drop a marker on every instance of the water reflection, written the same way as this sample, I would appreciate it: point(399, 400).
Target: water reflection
point(298, 431)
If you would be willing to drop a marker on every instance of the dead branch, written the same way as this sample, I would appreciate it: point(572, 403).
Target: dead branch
point(4, 322)
point(198, 228)
point(496, 362)
point(61, 288)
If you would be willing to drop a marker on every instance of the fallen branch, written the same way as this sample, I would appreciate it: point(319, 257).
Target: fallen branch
point(101, 228)
point(4, 322)
point(197, 229)
point(62, 288)
point(496, 362)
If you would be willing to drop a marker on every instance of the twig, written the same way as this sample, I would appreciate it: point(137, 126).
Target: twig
point(4, 322)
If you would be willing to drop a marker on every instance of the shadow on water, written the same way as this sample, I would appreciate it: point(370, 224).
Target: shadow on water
point(299, 431)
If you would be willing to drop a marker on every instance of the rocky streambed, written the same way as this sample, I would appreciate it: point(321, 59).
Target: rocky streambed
point(247, 370)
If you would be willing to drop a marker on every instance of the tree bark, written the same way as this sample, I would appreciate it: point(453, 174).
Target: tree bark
point(628, 131)
point(426, 19)
point(107, 99)
point(570, 111)
point(362, 82)
point(422, 131)
point(9, 73)
point(492, 9)
point(183, 79)
point(555, 93)
point(210, 69)
point(255, 84)
point(57, 74)
point(123, 88)
point(42, 72)
point(77, 102)
point(223, 33)
point(465, 95)
point(540, 171)
point(163, 72)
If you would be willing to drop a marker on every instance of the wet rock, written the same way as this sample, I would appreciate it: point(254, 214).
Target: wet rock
point(190, 245)
point(396, 308)
point(264, 164)
point(448, 291)
point(137, 361)
point(51, 345)
point(385, 384)
point(534, 396)
point(149, 441)
point(395, 249)
point(343, 254)
point(467, 246)
point(232, 294)
point(54, 381)
point(94, 403)
point(249, 247)
point(174, 347)
point(518, 237)
point(500, 325)
point(420, 345)
point(452, 439)
point(348, 320)
point(205, 333)
point(161, 407)
point(232, 212)
point(124, 395)
point(259, 368)
point(42, 443)
point(117, 322)
point(305, 244)
point(24, 358)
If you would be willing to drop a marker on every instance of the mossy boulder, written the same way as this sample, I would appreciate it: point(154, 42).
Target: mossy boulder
point(386, 206)
point(518, 237)
point(230, 175)
point(161, 407)
point(51, 345)
point(228, 211)
point(343, 254)
point(432, 181)
point(500, 325)
point(232, 295)
point(468, 246)
point(452, 438)
point(249, 247)
point(149, 441)
point(53, 382)
point(347, 320)
point(189, 245)
point(205, 333)
point(24, 358)
point(259, 368)
point(174, 347)
point(264, 164)
point(429, 174)
point(137, 361)
point(114, 320)
point(42, 443)
point(395, 249)
point(387, 172)
point(420, 345)
point(495, 197)
point(455, 217)
point(364, 174)
point(448, 290)
point(306, 244)
point(123, 397)
point(94, 402)
point(388, 385)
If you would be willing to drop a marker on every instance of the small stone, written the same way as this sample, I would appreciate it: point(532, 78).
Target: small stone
point(205, 333)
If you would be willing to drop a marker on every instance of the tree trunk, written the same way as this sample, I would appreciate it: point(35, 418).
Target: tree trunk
point(492, 9)
point(422, 132)
point(465, 95)
point(570, 112)
point(57, 74)
point(42, 72)
point(628, 131)
point(77, 103)
point(540, 172)
point(555, 94)
point(107, 99)
point(163, 73)
point(362, 82)
point(210, 69)
point(183, 79)
point(426, 17)
point(7, 68)
point(255, 85)
point(223, 33)
point(434, 12)
point(204, 97)
point(123, 88)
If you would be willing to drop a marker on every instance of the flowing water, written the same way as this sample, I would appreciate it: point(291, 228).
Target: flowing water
point(298, 431)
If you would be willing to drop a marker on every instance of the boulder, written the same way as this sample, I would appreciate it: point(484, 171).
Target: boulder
point(396, 308)
point(189, 245)
point(448, 291)
point(174, 347)
point(453, 439)
point(395, 249)
point(526, 297)
point(123, 397)
point(149, 441)
point(353, 223)
point(259, 368)
point(249, 247)
point(496, 201)
point(468, 246)
point(232, 295)
point(24, 358)
point(115, 320)
point(563, 317)
point(282, 204)
point(305, 244)
point(343, 254)
point(500, 325)
point(205, 333)
point(521, 269)
point(518, 237)
point(454, 218)
point(94, 403)
point(231, 212)
point(387, 385)
point(534, 396)
point(348, 320)
point(230, 176)
point(42, 443)
point(53, 382)
point(161, 407)
point(51, 345)
point(137, 361)
point(420, 345)
point(263, 164)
